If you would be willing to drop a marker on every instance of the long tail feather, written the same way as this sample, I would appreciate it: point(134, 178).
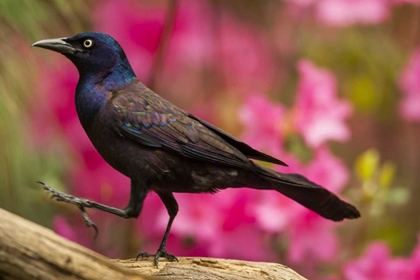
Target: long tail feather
point(310, 195)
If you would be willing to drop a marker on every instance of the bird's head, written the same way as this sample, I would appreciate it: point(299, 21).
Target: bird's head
point(93, 53)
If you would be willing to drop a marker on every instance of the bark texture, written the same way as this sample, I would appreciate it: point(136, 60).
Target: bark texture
point(30, 251)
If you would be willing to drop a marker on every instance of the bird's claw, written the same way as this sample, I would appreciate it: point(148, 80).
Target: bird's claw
point(89, 222)
point(81, 203)
point(161, 252)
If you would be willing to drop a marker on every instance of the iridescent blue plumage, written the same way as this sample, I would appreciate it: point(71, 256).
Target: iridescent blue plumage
point(163, 148)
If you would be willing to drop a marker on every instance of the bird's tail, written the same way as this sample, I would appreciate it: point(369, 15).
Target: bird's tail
point(309, 194)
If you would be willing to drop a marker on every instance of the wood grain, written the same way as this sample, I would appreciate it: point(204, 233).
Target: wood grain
point(30, 251)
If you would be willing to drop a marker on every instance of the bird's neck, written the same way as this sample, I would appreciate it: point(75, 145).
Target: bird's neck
point(114, 76)
point(95, 89)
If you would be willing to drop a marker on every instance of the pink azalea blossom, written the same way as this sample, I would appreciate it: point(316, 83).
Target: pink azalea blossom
point(63, 228)
point(243, 54)
point(319, 115)
point(406, 1)
point(263, 121)
point(343, 13)
point(302, 3)
point(327, 170)
point(415, 258)
point(410, 86)
point(54, 110)
point(190, 44)
point(350, 12)
point(194, 219)
point(245, 242)
point(275, 212)
point(312, 238)
point(377, 264)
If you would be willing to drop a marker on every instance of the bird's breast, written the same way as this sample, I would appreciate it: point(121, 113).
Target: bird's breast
point(89, 103)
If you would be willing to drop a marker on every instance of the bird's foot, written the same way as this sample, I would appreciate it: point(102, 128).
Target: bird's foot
point(161, 252)
point(81, 203)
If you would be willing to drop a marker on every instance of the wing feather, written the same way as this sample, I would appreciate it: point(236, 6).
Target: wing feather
point(148, 119)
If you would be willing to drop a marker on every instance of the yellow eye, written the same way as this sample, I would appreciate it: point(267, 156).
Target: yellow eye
point(88, 43)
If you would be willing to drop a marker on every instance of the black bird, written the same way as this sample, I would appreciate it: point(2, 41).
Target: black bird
point(163, 148)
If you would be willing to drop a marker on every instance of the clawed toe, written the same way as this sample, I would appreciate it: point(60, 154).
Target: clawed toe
point(160, 253)
point(89, 222)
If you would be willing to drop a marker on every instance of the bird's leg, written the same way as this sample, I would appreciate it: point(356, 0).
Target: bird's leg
point(132, 210)
point(172, 206)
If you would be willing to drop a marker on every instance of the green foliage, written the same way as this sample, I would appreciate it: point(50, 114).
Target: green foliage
point(21, 163)
point(376, 179)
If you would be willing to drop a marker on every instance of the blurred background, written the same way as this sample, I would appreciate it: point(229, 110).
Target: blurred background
point(331, 87)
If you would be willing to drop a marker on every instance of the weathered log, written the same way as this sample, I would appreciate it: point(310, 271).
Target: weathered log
point(211, 268)
point(30, 251)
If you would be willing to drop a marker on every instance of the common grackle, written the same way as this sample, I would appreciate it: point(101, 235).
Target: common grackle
point(163, 148)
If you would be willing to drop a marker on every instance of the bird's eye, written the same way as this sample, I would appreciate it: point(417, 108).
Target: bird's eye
point(88, 43)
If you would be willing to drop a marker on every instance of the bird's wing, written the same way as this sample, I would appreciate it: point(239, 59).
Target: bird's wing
point(238, 144)
point(148, 119)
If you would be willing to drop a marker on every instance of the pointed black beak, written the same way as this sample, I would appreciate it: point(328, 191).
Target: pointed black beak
point(58, 45)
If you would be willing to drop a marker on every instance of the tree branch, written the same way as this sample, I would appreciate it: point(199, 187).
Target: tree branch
point(30, 251)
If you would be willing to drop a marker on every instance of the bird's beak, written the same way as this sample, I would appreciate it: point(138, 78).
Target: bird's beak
point(58, 45)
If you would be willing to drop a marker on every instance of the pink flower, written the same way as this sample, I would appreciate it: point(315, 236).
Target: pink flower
point(56, 95)
point(190, 44)
point(63, 228)
point(262, 120)
point(343, 13)
point(194, 218)
point(415, 257)
point(312, 239)
point(319, 116)
point(378, 264)
point(101, 183)
point(302, 3)
point(245, 242)
point(327, 170)
point(349, 12)
point(406, 1)
point(243, 54)
point(274, 212)
point(410, 86)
